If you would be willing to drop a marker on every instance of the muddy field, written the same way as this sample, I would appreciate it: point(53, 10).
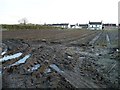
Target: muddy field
point(60, 59)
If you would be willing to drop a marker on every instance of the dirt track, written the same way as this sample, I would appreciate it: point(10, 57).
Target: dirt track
point(81, 55)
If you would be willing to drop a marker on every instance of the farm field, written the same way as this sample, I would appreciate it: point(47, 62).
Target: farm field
point(59, 59)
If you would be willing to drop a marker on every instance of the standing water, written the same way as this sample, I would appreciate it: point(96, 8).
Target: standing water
point(56, 68)
point(23, 60)
point(8, 57)
point(4, 52)
point(35, 67)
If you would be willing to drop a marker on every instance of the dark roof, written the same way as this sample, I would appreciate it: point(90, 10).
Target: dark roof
point(109, 24)
point(99, 23)
point(72, 25)
point(62, 24)
point(83, 25)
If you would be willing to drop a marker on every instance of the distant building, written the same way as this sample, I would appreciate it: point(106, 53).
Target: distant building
point(119, 26)
point(95, 25)
point(83, 26)
point(109, 26)
point(72, 26)
point(62, 25)
point(75, 26)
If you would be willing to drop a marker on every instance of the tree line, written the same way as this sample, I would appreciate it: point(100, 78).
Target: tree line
point(26, 26)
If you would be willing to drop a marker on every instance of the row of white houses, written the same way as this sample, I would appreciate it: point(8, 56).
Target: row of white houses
point(90, 25)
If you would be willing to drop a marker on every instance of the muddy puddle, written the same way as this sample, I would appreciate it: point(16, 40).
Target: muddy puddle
point(4, 52)
point(47, 70)
point(9, 57)
point(21, 61)
point(56, 68)
point(35, 67)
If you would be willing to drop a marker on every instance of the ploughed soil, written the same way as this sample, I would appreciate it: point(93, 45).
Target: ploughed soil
point(60, 59)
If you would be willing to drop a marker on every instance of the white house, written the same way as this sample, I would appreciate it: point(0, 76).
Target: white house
point(95, 25)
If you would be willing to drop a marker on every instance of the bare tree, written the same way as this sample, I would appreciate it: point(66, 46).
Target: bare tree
point(23, 21)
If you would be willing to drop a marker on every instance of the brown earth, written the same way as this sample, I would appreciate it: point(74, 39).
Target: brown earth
point(83, 58)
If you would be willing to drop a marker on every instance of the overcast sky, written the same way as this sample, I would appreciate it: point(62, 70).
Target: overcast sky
point(58, 11)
